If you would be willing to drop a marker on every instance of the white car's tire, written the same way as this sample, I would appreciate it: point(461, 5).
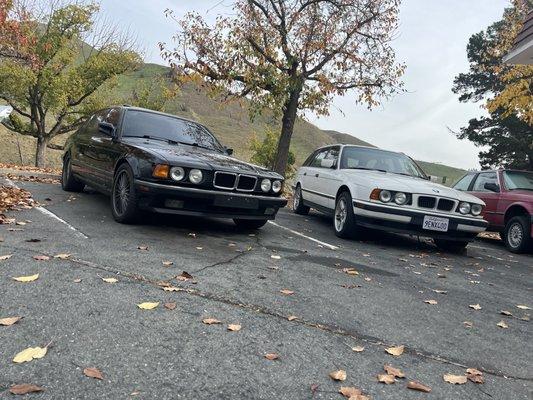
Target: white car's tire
point(344, 218)
point(298, 202)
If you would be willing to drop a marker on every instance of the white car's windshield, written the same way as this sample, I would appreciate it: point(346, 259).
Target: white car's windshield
point(518, 180)
point(379, 160)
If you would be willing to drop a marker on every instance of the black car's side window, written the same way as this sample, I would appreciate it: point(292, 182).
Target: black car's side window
point(464, 183)
point(113, 117)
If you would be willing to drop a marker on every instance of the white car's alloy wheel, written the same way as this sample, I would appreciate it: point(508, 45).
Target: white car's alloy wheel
point(296, 198)
point(340, 214)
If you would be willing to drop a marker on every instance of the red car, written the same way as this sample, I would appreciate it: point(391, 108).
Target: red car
point(508, 195)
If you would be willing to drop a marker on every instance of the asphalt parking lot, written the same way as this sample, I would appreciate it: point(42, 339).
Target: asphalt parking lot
point(295, 267)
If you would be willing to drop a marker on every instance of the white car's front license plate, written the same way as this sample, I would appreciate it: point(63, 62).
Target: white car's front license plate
point(435, 223)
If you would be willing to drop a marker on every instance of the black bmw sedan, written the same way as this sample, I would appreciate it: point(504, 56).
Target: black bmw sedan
point(146, 160)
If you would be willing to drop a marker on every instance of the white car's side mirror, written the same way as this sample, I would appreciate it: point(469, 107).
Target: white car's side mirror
point(327, 163)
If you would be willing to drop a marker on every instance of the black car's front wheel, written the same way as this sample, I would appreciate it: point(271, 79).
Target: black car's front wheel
point(68, 182)
point(249, 224)
point(123, 196)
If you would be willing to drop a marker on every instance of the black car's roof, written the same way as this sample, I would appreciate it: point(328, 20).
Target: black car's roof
point(128, 107)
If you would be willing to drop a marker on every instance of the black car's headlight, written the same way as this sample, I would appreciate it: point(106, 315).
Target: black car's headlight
point(276, 186)
point(195, 176)
point(266, 185)
point(177, 173)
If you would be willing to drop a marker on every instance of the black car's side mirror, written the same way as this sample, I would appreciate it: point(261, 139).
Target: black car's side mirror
point(493, 187)
point(229, 152)
point(106, 128)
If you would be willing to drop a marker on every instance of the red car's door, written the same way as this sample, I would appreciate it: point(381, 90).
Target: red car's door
point(487, 187)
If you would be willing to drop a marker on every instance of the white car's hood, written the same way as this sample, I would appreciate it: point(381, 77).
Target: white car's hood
point(403, 183)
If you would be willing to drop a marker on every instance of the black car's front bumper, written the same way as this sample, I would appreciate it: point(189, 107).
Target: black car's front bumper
point(203, 202)
point(401, 220)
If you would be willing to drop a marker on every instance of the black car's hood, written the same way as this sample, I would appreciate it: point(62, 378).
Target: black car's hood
point(185, 155)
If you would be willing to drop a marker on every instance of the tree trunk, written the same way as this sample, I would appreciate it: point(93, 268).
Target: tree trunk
point(40, 155)
point(287, 127)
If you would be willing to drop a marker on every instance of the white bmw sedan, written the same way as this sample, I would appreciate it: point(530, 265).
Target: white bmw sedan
point(363, 187)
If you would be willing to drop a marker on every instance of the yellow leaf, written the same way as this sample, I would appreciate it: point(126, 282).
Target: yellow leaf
point(349, 392)
point(395, 351)
point(110, 280)
point(30, 354)
point(147, 306)
point(339, 375)
point(211, 321)
point(395, 372)
point(286, 292)
point(455, 379)
point(9, 321)
point(271, 356)
point(386, 379)
point(30, 278)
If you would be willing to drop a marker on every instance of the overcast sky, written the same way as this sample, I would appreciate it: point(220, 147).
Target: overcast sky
point(432, 42)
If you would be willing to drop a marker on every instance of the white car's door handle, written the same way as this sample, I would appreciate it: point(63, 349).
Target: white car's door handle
point(316, 175)
point(305, 173)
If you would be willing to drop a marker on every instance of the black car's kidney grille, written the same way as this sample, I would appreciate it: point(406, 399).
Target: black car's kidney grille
point(246, 183)
point(427, 202)
point(446, 205)
point(225, 180)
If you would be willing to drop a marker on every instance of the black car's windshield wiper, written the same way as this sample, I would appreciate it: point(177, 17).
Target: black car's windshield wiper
point(368, 169)
point(170, 141)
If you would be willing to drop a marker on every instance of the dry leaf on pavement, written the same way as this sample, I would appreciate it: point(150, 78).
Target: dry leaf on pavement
point(349, 392)
point(234, 327)
point(271, 356)
point(475, 306)
point(358, 349)
point(93, 373)
point(211, 321)
point(77, 280)
point(502, 324)
point(25, 388)
point(350, 271)
point(432, 302)
point(167, 263)
point(29, 354)
point(184, 276)
point(396, 372)
point(170, 305)
point(475, 375)
point(507, 313)
point(142, 248)
point(468, 324)
point(147, 305)
point(41, 258)
point(275, 257)
point(523, 307)
point(62, 256)
point(395, 351)
point(455, 379)
point(286, 292)
point(110, 280)
point(413, 385)
point(9, 321)
point(339, 375)
point(171, 289)
point(30, 278)
point(292, 317)
point(386, 379)
point(6, 257)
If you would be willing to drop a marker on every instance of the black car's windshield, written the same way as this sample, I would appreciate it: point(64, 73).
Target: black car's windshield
point(518, 180)
point(158, 126)
point(380, 160)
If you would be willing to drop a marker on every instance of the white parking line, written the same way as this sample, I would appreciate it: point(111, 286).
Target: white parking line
point(329, 246)
point(50, 213)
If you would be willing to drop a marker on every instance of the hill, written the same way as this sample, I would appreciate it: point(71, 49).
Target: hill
point(228, 120)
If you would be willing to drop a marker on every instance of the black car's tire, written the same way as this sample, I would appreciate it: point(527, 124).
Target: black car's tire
point(249, 224)
point(124, 197)
point(517, 234)
point(453, 246)
point(344, 218)
point(298, 206)
point(68, 182)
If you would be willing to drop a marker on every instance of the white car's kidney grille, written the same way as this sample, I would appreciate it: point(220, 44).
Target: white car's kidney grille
point(436, 203)
point(446, 205)
point(427, 202)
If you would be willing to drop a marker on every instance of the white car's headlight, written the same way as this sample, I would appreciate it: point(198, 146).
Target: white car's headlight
point(464, 208)
point(400, 198)
point(476, 209)
point(177, 173)
point(385, 196)
point(276, 186)
point(195, 176)
point(266, 185)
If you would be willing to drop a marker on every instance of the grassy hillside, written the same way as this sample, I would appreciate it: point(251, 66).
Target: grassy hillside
point(229, 121)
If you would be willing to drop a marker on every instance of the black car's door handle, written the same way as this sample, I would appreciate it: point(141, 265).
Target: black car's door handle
point(316, 175)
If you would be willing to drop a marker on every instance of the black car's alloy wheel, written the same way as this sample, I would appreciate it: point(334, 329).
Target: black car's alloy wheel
point(68, 182)
point(517, 234)
point(249, 224)
point(123, 197)
point(298, 202)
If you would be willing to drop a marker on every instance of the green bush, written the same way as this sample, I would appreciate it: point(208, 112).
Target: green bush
point(264, 152)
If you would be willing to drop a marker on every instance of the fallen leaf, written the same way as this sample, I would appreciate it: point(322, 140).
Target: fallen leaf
point(9, 321)
point(199, 248)
point(144, 248)
point(170, 305)
point(292, 317)
point(41, 258)
point(433, 302)
point(474, 371)
point(350, 271)
point(6, 257)
point(395, 351)
point(167, 263)
point(413, 385)
point(368, 279)
point(211, 321)
point(386, 379)
point(455, 379)
point(475, 375)
point(286, 292)
point(468, 324)
point(234, 327)
point(275, 257)
point(147, 306)
point(25, 388)
point(30, 278)
point(193, 235)
point(110, 280)
point(396, 372)
point(523, 307)
point(349, 392)
point(29, 354)
point(93, 373)
point(271, 356)
point(20, 223)
point(475, 306)
point(171, 289)
point(77, 280)
point(339, 375)
point(439, 291)
point(62, 256)
point(502, 324)
point(507, 313)
point(358, 349)
point(184, 276)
